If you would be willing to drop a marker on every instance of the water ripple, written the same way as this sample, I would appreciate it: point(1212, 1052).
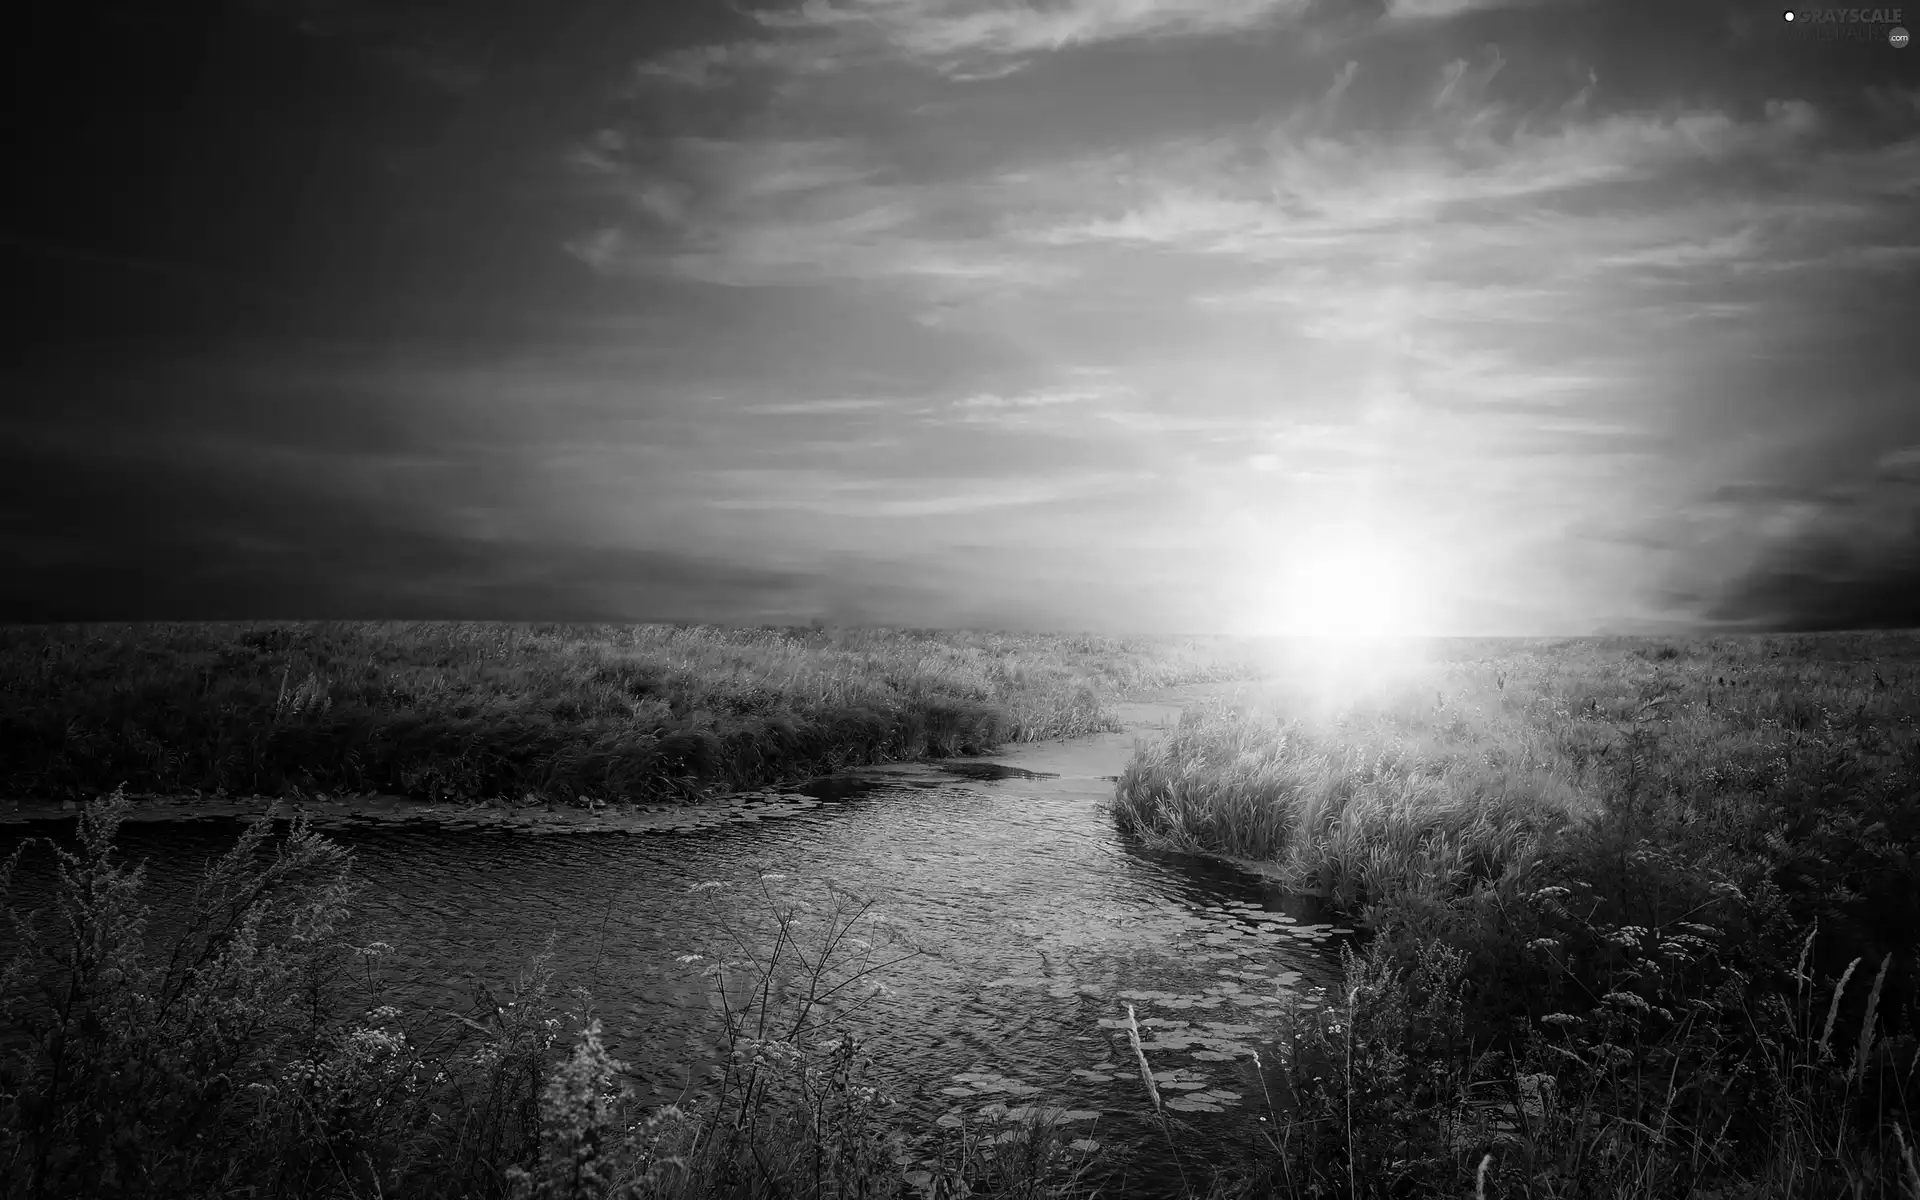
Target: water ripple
point(1040, 926)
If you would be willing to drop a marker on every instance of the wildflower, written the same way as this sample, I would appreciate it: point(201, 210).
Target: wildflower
point(1684, 945)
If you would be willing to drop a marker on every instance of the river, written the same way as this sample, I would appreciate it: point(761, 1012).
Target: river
point(1036, 924)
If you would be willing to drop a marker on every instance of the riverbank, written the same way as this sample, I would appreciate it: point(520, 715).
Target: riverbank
point(1642, 916)
point(1147, 713)
point(1643, 912)
point(523, 719)
point(1034, 925)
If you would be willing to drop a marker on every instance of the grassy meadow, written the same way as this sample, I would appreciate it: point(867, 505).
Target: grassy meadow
point(1643, 920)
point(512, 714)
point(1644, 915)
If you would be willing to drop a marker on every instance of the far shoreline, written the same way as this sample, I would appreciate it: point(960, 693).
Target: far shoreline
point(537, 816)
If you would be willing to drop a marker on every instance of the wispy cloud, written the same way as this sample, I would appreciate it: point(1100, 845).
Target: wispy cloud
point(908, 309)
point(1036, 399)
point(1430, 10)
point(707, 66)
point(975, 39)
point(1279, 194)
point(814, 407)
point(824, 495)
point(773, 211)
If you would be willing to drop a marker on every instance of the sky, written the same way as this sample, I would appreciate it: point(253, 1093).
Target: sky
point(1499, 317)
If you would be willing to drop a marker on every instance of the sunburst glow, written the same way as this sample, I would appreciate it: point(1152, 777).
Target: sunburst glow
point(1344, 585)
point(1348, 593)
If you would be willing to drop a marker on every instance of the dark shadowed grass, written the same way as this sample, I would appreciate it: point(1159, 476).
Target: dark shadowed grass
point(493, 712)
point(252, 1054)
point(1645, 915)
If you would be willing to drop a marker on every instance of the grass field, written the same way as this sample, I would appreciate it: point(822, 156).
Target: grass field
point(504, 713)
point(1645, 915)
point(1643, 924)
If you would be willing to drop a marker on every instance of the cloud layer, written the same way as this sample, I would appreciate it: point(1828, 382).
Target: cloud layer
point(922, 311)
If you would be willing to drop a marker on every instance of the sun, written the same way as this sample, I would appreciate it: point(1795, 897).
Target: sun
point(1347, 594)
point(1344, 586)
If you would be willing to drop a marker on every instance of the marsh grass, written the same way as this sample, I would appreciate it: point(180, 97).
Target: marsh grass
point(1623, 901)
point(545, 713)
point(1642, 925)
point(244, 1054)
point(253, 1053)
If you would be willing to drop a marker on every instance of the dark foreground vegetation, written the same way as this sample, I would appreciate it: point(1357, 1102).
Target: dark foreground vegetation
point(1644, 921)
point(252, 1055)
point(513, 714)
point(1645, 916)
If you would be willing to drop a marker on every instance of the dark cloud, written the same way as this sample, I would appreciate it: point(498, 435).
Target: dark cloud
point(1849, 557)
point(99, 536)
point(210, 170)
point(1828, 588)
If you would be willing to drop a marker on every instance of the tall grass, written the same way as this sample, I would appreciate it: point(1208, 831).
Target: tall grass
point(490, 712)
point(1617, 894)
point(253, 1054)
point(1643, 924)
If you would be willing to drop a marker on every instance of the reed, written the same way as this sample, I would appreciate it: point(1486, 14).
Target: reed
point(511, 714)
point(254, 1054)
point(1610, 953)
point(1659, 865)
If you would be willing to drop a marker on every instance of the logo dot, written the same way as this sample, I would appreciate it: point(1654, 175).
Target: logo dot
point(1789, 16)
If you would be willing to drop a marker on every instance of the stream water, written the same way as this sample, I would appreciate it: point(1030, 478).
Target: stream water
point(1037, 924)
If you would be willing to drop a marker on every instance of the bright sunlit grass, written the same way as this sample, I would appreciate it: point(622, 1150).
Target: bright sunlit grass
point(1454, 806)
